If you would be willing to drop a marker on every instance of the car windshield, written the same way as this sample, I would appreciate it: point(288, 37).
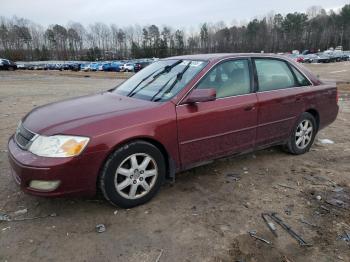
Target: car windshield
point(160, 81)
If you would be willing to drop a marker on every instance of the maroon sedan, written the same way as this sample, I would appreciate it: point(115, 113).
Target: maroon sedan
point(175, 114)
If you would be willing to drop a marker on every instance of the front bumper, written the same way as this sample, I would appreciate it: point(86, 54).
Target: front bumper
point(77, 175)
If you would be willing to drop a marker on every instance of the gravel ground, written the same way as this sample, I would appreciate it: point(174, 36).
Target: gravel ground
point(204, 216)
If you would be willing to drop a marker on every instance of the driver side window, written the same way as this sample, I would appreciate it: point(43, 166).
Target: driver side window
point(229, 78)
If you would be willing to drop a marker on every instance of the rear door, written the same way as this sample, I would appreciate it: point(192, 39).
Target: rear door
point(208, 130)
point(280, 99)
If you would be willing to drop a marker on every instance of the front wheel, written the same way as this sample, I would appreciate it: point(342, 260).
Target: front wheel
point(133, 174)
point(303, 135)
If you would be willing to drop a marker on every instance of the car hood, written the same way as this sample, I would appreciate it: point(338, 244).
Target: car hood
point(67, 116)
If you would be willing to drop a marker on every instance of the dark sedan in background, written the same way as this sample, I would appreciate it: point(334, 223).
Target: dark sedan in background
point(6, 64)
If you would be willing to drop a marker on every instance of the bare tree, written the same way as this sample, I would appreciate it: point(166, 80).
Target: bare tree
point(21, 39)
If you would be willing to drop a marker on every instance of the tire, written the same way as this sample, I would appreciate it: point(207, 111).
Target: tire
point(301, 139)
point(122, 180)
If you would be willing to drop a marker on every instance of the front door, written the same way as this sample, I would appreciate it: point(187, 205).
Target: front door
point(209, 130)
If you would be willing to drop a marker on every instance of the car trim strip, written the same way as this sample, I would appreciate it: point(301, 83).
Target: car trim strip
point(217, 135)
point(235, 131)
point(277, 121)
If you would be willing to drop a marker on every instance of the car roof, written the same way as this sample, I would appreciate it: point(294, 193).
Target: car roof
point(219, 56)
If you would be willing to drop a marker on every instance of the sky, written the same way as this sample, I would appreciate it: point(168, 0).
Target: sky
point(178, 13)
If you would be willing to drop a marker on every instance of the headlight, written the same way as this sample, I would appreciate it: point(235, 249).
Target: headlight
point(58, 146)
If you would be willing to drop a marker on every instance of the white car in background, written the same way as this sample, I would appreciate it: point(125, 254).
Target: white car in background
point(85, 67)
point(128, 67)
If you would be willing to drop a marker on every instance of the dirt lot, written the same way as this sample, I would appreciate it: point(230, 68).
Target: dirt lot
point(204, 216)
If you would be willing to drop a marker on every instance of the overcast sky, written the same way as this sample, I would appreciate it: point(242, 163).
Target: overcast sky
point(178, 13)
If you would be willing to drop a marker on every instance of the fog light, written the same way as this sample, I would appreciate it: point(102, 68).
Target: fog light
point(44, 185)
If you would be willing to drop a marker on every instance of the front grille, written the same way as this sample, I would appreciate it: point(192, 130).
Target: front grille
point(23, 136)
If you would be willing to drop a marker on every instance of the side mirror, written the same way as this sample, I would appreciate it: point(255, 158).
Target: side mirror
point(200, 95)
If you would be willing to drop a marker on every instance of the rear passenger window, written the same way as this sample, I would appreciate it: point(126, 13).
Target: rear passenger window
point(301, 78)
point(273, 74)
point(229, 78)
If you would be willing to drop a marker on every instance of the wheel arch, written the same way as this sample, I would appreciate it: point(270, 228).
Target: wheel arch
point(316, 115)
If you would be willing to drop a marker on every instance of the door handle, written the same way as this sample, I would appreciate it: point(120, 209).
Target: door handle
point(249, 108)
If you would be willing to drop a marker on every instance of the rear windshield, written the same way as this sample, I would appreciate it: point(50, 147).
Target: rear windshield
point(162, 80)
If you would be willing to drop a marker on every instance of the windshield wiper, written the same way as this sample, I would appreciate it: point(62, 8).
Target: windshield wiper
point(131, 93)
point(166, 69)
point(177, 79)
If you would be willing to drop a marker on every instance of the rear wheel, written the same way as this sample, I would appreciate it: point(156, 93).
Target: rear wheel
point(303, 135)
point(133, 174)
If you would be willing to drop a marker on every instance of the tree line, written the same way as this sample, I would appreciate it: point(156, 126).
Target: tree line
point(316, 29)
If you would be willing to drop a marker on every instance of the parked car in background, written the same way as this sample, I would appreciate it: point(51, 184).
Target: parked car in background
point(85, 67)
point(22, 66)
point(127, 67)
point(337, 56)
point(56, 66)
point(307, 52)
point(101, 65)
point(317, 58)
point(66, 66)
point(39, 66)
point(51, 66)
point(75, 67)
point(137, 67)
point(30, 66)
point(308, 58)
point(6, 64)
point(339, 48)
point(112, 67)
point(175, 114)
point(297, 57)
point(347, 54)
point(94, 66)
point(140, 65)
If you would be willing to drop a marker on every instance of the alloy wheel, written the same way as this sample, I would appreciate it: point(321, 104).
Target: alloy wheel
point(303, 134)
point(136, 175)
